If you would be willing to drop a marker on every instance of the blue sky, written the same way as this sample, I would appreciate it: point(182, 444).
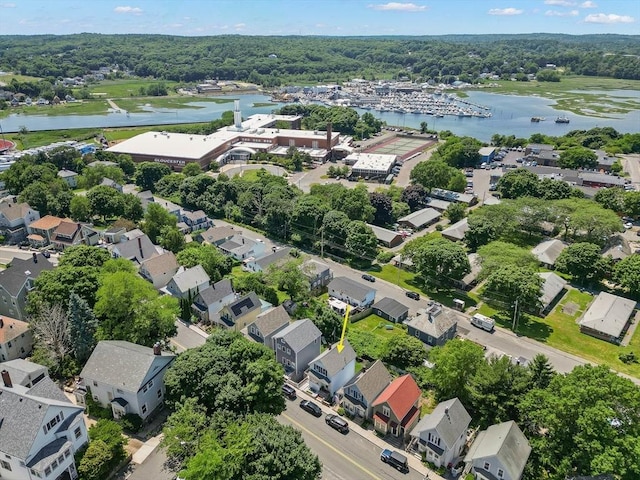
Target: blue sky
point(319, 17)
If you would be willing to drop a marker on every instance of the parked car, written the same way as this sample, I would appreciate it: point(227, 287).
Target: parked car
point(46, 254)
point(339, 423)
point(289, 392)
point(395, 459)
point(414, 295)
point(628, 225)
point(368, 278)
point(311, 407)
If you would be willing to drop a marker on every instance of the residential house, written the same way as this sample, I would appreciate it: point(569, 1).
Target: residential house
point(402, 262)
point(170, 207)
point(17, 281)
point(14, 220)
point(396, 410)
point(107, 182)
point(138, 249)
point(386, 237)
point(552, 287)
point(332, 369)
point(267, 324)
point(159, 270)
point(25, 373)
point(470, 279)
point(360, 392)
point(131, 234)
point(351, 292)
point(114, 234)
point(69, 177)
point(90, 236)
point(608, 317)
point(499, 452)
point(617, 247)
point(103, 163)
point(66, 235)
point(41, 231)
point(187, 282)
point(16, 340)
point(217, 235)
point(296, 346)
point(548, 251)
point(208, 302)
point(437, 204)
point(40, 431)
point(318, 273)
point(434, 325)
point(197, 220)
point(441, 436)
point(125, 377)
point(455, 232)
point(261, 264)
point(239, 313)
point(241, 247)
point(449, 196)
point(391, 310)
point(420, 218)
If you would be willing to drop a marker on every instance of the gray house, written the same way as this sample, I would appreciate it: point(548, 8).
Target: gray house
point(25, 373)
point(548, 251)
point(318, 273)
point(420, 218)
point(442, 434)
point(351, 292)
point(17, 281)
point(391, 309)
point(552, 287)
point(267, 324)
point(499, 452)
point(330, 370)
point(210, 301)
point(217, 235)
point(296, 346)
point(188, 282)
point(434, 325)
point(137, 248)
point(608, 317)
point(456, 231)
point(364, 388)
point(261, 264)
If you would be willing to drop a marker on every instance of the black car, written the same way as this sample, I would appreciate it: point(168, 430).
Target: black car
point(339, 423)
point(311, 407)
point(289, 392)
point(414, 295)
point(368, 278)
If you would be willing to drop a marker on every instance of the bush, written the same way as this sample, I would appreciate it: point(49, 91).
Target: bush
point(95, 410)
point(439, 228)
point(385, 257)
point(131, 422)
point(628, 358)
point(341, 411)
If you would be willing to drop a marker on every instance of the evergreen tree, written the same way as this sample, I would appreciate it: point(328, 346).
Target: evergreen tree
point(82, 327)
point(541, 371)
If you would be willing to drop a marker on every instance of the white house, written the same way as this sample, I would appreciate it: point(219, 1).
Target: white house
point(127, 377)
point(332, 369)
point(40, 431)
point(351, 292)
point(16, 340)
point(241, 247)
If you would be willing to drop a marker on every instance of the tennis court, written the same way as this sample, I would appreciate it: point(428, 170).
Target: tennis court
point(404, 147)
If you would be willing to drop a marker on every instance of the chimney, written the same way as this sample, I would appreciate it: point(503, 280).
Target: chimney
point(157, 350)
point(329, 131)
point(140, 247)
point(6, 378)
point(1, 322)
point(35, 257)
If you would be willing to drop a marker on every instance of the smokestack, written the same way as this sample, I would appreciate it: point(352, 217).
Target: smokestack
point(6, 378)
point(329, 131)
point(156, 349)
point(140, 247)
point(237, 116)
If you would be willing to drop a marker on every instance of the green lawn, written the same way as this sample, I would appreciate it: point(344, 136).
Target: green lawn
point(560, 330)
point(126, 87)
point(377, 326)
point(136, 105)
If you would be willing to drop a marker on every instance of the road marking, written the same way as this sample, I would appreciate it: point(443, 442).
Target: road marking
point(178, 344)
point(326, 444)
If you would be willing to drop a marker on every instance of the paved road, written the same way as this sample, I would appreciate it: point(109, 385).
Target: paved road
point(9, 253)
point(186, 338)
point(344, 457)
point(151, 468)
point(631, 165)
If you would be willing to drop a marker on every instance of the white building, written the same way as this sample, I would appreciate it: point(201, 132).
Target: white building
point(371, 164)
point(40, 431)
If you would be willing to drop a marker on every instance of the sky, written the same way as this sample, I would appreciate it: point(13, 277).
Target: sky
point(319, 17)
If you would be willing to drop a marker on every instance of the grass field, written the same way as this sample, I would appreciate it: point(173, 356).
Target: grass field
point(21, 78)
point(129, 87)
point(377, 326)
point(560, 330)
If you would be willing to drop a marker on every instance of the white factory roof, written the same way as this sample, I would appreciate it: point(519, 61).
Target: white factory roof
point(371, 161)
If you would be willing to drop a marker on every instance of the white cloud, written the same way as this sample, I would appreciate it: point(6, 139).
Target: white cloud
point(8, 5)
point(588, 5)
point(608, 18)
point(239, 26)
point(560, 3)
point(505, 11)
point(556, 13)
point(128, 9)
point(402, 7)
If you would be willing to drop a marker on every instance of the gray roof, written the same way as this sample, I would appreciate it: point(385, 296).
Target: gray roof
point(67, 173)
point(215, 234)
point(435, 320)
point(608, 314)
point(372, 381)
point(299, 334)
point(13, 211)
point(452, 196)
point(244, 305)
point(139, 248)
point(391, 307)
point(238, 244)
point(384, 234)
point(160, 264)
point(440, 205)
point(456, 230)
point(540, 147)
point(13, 278)
point(281, 255)
point(216, 292)
point(333, 360)
point(22, 371)
point(421, 217)
point(190, 278)
point(450, 419)
point(272, 320)
point(476, 266)
point(552, 286)
point(602, 178)
point(350, 287)
point(507, 443)
point(124, 364)
point(548, 251)
point(313, 267)
point(22, 414)
point(194, 216)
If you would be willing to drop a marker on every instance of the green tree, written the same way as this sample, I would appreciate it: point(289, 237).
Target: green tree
point(171, 239)
point(583, 262)
point(455, 212)
point(592, 408)
point(289, 278)
point(540, 372)
point(626, 273)
point(105, 202)
point(105, 450)
point(611, 198)
point(148, 173)
point(328, 322)
point(578, 157)
point(432, 174)
point(442, 260)
point(415, 196)
point(55, 286)
point(512, 283)
point(518, 183)
point(84, 256)
point(404, 351)
point(383, 214)
point(132, 207)
point(191, 169)
point(497, 254)
point(632, 204)
point(183, 430)
point(455, 364)
point(155, 219)
point(82, 328)
point(209, 257)
point(481, 231)
point(229, 373)
point(80, 208)
point(361, 240)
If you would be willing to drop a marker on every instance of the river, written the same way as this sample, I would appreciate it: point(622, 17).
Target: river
point(511, 115)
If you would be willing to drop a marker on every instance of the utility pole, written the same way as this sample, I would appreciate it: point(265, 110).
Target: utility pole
point(515, 316)
point(322, 243)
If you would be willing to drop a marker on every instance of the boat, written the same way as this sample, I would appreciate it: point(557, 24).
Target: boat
point(562, 120)
point(537, 119)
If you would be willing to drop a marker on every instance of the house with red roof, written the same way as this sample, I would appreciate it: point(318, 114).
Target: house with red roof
point(397, 408)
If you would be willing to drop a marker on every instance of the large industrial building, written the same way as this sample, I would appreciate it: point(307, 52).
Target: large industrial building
point(371, 165)
point(237, 142)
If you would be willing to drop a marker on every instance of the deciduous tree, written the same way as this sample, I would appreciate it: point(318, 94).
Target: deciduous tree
point(626, 273)
point(404, 351)
point(441, 259)
point(512, 283)
point(455, 364)
point(583, 261)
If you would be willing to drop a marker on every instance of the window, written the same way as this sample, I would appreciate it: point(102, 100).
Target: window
point(279, 346)
point(386, 412)
point(54, 464)
point(500, 473)
point(288, 351)
point(67, 453)
point(61, 459)
point(417, 333)
point(95, 384)
point(47, 471)
point(5, 465)
point(144, 408)
point(9, 344)
point(486, 465)
point(159, 393)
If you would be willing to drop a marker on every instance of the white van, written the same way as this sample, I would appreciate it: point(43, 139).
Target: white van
point(483, 322)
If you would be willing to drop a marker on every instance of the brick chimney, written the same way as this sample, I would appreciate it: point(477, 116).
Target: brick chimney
point(6, 378)
point(140, 247)
point(329, 132)
point(157, 350)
